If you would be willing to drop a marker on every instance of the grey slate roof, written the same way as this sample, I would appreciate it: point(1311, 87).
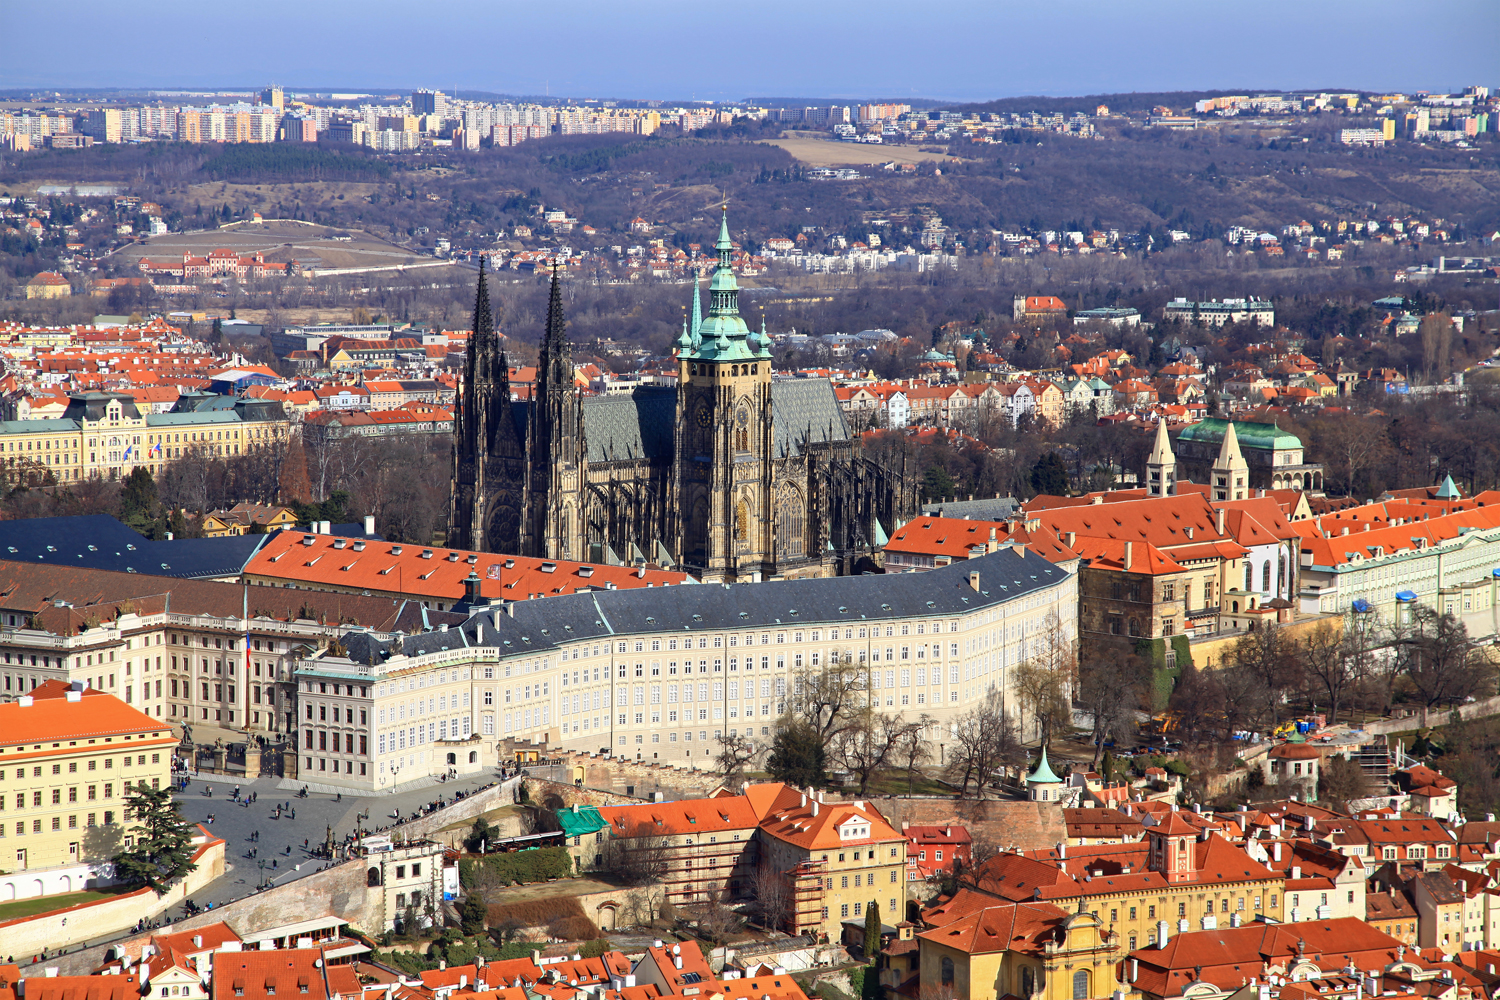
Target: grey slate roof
point(983, 509)
point(641, 425)
point(541, 625)
point(98, 541)
point(625, 428)
point(805, 410)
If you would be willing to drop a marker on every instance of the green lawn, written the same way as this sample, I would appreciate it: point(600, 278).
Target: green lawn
point(45, 904)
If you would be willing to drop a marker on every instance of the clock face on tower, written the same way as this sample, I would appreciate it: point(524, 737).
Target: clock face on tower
point(742, 418)
point(703, 417)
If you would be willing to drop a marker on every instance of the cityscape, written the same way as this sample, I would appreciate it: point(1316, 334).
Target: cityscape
point(1008, 521)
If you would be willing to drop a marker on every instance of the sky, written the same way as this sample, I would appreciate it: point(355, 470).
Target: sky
point(959, 50)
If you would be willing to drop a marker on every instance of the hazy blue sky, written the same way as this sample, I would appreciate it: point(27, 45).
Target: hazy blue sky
point(714, 50)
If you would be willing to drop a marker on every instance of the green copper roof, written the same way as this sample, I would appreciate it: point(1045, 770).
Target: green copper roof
point(1262, 437)
point(1043, 774)
point(1448, 491)
point(722, 335)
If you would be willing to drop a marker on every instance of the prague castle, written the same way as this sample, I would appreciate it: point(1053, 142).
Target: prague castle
point(730, 475)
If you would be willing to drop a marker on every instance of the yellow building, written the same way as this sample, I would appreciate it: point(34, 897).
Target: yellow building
point(67, 762)
point(103, 435)
point(48, 285)
point(838, 858)
point(1178, 877)
point(1033, 950)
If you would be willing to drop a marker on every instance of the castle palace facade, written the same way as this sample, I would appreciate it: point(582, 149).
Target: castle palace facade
point(730, 475)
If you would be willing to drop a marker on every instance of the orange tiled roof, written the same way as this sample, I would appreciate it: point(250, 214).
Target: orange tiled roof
point(378, 565)
point(92, 716)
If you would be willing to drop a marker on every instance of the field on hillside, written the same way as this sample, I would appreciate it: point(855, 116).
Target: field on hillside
point(309, 245)
point(824, 153)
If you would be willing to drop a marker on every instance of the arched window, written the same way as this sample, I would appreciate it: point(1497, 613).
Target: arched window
point(1265, 576)
point(372, 877)
point(1028, 980)
point(947, 971)
point(1249, 579)
point(698, 531)
point(473, 756)
point(790, 527)
point(1135, 627)
point(1081, 989)
point(741, 521)
point(452, 759)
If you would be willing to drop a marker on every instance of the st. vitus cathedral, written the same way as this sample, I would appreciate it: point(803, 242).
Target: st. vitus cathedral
point(729, 475)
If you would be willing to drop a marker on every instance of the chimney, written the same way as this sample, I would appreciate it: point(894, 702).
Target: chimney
point(197, 940)
point(1296, 871)
point(25, 701)
point(1129, 555)
point(677, 961)
point(1219, 519)
point(1276, 851)
point(1234, 920)
point(1162, 933)
point(369, 524)
point(814, 807)
point(974, 581)
point(1062, 849)
point(1072, 537)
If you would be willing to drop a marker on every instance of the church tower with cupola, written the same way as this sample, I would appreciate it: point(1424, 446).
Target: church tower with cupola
point(723, 478)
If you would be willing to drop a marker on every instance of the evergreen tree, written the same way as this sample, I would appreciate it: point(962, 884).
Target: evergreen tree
point(798, 756)
point(163, 851)
point(872, 931)
point(138, 500)
point(472, 914)
point(479, 834)
point(1049, 475)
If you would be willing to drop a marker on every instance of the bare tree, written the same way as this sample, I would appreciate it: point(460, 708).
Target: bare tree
point(1045, 682)
point(638, 857)
point(1110, 689)
point(828, 698)
point(984, 740)
point(715, 920)
point(1439, 659)
point(1332, 663)
point(868, 745)
point(773, 895)
point(735, 754)
point(914, 748)
point(1270, 655)
point(1342, 780)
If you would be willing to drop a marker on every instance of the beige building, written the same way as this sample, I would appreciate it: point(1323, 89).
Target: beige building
point(68, 760)
point(48, 285)
point(658, 673)
point(102, 435)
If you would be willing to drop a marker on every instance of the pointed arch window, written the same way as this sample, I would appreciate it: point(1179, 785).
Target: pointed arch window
point(741, 521)
point(790, 523)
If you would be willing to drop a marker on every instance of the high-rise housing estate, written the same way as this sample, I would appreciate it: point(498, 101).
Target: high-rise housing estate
point(429, 102)
point(104, 125)
point(273, 97)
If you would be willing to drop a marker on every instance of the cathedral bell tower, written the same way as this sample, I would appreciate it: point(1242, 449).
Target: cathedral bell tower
point(722, 475)
point(551, 525)
point(485, 507)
